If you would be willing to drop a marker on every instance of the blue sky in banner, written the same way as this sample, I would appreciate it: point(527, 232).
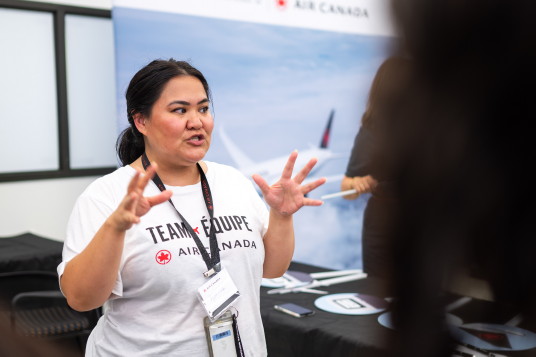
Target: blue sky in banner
point(273, 89)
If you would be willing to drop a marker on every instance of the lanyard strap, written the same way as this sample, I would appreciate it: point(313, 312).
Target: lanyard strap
point(212, 262)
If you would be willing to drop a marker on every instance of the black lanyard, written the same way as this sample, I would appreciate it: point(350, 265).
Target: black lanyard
point(212, 262)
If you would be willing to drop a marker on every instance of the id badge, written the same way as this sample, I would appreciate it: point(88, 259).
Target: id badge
point(217, 294)
point(221, 337)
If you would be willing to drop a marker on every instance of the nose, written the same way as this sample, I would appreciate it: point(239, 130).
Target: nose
point(194, 122)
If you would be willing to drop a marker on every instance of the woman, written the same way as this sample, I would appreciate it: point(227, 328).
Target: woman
point(145, 258)
point(365, 171)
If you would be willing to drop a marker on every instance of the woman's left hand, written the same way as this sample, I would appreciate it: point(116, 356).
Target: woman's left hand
point(287, 195)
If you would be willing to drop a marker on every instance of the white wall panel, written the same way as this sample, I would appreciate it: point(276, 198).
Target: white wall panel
point(28, 101)
point(91, 91)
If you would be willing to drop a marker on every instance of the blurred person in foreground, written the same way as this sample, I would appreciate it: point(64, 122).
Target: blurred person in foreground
point(462, 158)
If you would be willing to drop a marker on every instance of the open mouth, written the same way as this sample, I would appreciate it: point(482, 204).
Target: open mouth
point(196, 138)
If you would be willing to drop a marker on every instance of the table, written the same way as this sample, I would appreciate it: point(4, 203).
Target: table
point(327, 334)
point(29, 252)
point(323, 334)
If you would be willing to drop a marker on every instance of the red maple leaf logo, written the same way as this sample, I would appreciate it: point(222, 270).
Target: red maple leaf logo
point(281, 4)
point(163, 257)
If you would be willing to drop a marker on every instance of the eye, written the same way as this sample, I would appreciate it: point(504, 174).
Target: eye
point(179, 110)
point(203, 109)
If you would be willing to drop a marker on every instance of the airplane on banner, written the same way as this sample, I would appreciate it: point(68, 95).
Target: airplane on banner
point(271, 169)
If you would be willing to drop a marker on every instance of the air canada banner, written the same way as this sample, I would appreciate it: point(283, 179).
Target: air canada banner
point(285, 75)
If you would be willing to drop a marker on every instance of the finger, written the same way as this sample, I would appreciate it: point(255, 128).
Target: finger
point(367, 186)
point(372, 182)
point(371, 179)
point(133, 184)
point(346, 187)
point(263, 185)
point(128, 219)
point(149, 174)
point(135, 219)
point(289, 166)
point(347, 183)
point(313, 185)
point(359, 185)
point(160, 198)
point(305, 171)
point(130, 201)
point(311, 202)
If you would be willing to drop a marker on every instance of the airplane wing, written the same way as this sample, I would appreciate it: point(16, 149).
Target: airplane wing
point(271, 169)
point(238, 156)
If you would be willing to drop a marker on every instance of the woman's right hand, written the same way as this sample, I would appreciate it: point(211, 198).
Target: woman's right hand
point(362, 184)
point(135, 205)
point(89, 278)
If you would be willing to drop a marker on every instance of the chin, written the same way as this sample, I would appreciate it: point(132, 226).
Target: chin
point(192, 155)
point(196, 158)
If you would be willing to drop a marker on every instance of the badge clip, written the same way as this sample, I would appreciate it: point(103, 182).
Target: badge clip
point(215, 269)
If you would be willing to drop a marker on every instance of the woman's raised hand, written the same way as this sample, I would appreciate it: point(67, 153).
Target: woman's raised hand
point(135, 205)
point(287, 195)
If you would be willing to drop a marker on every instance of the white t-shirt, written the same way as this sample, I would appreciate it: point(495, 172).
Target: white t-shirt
point(154, 310)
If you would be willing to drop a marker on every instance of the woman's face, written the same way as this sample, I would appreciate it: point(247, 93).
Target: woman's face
point(180, 125)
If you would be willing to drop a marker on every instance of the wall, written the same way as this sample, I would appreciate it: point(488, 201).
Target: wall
point(43, 206)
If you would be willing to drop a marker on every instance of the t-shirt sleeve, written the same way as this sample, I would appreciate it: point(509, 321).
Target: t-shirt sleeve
point(88, 215)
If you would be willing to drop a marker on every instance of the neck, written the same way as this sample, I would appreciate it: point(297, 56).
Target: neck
point(174, 175)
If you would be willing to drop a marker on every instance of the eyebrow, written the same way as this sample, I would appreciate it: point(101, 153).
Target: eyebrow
point(182, 102)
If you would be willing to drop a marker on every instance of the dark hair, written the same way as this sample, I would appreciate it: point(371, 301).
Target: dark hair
point(143, 91)
point(386, 86)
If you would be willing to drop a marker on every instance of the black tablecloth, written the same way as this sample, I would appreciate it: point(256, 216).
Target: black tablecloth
point(29, 252)
point(327, 334)
point(323, 334)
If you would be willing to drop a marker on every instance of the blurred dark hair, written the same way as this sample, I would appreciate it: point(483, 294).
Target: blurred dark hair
point(143, 91)
point(385, 87)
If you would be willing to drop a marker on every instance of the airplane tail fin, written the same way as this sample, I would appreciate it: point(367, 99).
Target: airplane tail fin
point(237, 155)
point(325, 137)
